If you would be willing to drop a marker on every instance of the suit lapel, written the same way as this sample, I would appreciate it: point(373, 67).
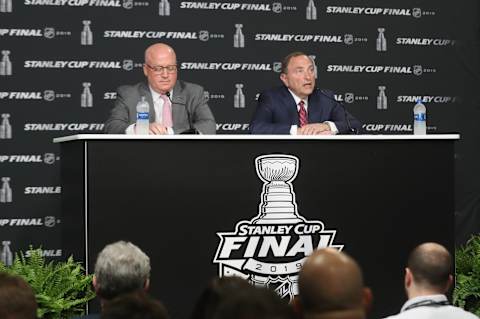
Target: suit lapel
point(290, 106)
point(145, 91)
point(179, 101)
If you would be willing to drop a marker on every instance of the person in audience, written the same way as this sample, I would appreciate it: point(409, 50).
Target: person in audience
point(17, 300)
point(253, 303)
point(121, 268)
point(217, 291)
point(331, 286)
point(175, 106)
point(428, 276)
point(136, 305)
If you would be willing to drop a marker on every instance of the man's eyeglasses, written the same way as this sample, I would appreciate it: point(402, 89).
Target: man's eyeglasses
point(159, 69)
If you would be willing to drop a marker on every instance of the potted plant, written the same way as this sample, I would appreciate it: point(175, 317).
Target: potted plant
point(467, 276)
point(61, 288)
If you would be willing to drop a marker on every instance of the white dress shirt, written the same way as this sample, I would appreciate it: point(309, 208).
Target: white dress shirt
point(158, 106)
point(293, 128)
point(430, 307)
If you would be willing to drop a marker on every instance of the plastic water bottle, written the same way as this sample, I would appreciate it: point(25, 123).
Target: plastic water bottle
point(419, 119)
point(142, 117)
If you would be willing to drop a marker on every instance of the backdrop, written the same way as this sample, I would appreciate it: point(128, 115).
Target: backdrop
point(61, 61)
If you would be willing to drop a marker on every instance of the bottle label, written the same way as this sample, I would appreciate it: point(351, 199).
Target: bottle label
point(142, 115)
point(420, 117)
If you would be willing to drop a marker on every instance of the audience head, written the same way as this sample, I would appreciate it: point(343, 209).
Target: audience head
point(331, 283)
point(217, 291)
point(428, 270)
point(17, 300)
point(254, 303)
point(121, 268)
point(136, 305)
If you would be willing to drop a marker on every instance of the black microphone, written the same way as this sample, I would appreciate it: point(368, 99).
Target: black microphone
point(350, 128)
point(191, 130)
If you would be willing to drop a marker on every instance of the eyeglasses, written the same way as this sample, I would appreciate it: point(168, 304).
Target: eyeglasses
point(159, 69)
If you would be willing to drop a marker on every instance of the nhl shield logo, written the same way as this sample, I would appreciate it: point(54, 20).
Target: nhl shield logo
point(417, 12)
point(127, 4)
point(277, 67)
point(49, 95)
point(270, 249)
point(127, 65)
point(277, 7)
point(49, 221)
point(49, 33)
point(417, 70)
point(349, 98)
point(49, 158)
point(206, 96)
point(203, 35)
point(348, 39)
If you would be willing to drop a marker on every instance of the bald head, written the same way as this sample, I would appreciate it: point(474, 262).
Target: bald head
point(329, 281)
point(431, 266)
point(158, 50)
point(160, 67)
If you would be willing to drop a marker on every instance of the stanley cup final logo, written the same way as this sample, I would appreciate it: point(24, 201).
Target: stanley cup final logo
point(382, 98)
point(238, 37)
point(5, 5)
point(381, 40)
point(270, 249)
point(86, 99)
point(5, 63)
point(239, 97)
point(86, 37)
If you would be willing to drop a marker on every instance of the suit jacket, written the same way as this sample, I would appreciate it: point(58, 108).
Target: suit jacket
point(276, 112)
point(187, 97)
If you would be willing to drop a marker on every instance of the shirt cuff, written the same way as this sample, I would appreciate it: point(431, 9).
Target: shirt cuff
point(170, 131)
point(293, 130)
point(333, 127)
point(130, 130)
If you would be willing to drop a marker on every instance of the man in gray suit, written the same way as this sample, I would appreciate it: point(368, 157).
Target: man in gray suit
point(175, 106)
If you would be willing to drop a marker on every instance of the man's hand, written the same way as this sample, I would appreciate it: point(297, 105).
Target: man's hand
point(157, 129)
point(315, 129)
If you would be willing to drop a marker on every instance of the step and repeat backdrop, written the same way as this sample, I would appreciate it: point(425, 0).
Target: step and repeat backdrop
point(62, 60)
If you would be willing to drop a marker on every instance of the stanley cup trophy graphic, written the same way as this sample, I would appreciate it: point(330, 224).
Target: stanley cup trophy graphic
point(5, 64)
point(311, 10)
point(381, 41)
point(5, 5)
point(163, 8)
point(6, 256)
point(86, 37)
point(239, 97)
point(277, 172)
point(5, 191)
point(5, 127)
point(381, 98)
point(315, 69)
point(270, 249)
point(86, 98)
point(238, 38)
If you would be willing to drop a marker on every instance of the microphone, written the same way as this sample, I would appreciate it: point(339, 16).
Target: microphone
point(191, 130)
point(350, 128)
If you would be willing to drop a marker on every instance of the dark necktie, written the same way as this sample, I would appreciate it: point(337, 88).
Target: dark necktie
point(302, 114)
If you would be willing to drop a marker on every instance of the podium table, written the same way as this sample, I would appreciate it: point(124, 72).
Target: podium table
point(255, 206)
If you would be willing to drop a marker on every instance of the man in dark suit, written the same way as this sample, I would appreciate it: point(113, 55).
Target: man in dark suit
point(297, 107)
point(175, 106)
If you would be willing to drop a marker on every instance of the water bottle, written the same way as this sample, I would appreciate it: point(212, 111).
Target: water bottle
point(142, 117)
point(419, 119)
